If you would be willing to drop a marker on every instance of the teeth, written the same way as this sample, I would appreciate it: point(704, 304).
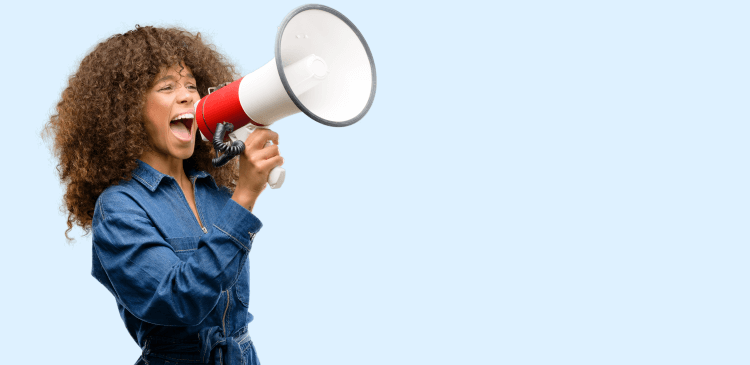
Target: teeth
point(185, 116)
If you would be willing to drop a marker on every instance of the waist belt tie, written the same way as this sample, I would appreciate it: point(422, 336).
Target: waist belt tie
point(228, 351)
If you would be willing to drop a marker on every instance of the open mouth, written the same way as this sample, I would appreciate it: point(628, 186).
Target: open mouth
point(182, 125)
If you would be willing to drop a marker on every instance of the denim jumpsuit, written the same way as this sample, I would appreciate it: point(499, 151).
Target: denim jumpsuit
point(182, 289)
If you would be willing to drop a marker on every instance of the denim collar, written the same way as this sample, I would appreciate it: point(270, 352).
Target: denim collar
point(150, 177)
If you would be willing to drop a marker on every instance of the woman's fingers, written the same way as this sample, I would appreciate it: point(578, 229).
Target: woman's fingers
point(255, 165)
point(257, 140)
point(270, 163)
point(259, 152)
point(265, 153)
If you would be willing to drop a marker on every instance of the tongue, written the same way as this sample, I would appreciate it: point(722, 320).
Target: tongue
point(179, 130)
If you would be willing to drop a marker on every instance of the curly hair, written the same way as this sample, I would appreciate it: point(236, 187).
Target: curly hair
point(98, 130)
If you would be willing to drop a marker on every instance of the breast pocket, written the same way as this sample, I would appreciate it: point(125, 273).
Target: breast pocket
point(184, 246)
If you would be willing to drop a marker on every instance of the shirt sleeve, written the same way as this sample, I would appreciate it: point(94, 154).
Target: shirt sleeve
point(148, 278)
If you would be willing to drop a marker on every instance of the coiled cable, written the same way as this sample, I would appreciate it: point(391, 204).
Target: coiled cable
point(229, 151)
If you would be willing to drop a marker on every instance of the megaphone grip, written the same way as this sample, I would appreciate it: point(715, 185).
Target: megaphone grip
point(277, 175)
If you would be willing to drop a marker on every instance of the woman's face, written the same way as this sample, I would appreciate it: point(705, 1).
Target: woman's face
point(170, 118)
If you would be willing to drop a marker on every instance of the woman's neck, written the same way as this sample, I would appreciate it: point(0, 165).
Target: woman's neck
point(167, 165)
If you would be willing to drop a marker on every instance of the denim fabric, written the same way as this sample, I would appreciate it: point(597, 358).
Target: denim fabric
point(182, 292)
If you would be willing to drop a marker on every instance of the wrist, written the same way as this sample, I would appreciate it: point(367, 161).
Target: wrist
point(246, 200)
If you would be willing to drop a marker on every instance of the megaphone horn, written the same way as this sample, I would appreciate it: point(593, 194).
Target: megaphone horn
point(322, 67)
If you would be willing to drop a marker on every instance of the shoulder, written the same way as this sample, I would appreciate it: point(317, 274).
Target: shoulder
point(121, 198)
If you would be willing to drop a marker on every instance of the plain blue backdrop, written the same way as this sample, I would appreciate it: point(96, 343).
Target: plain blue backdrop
point(537, 182)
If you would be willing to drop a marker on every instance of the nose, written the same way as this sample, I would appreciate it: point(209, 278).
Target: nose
point(185, 96)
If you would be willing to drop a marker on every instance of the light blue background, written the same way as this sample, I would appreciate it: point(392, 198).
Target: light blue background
point(537, 182)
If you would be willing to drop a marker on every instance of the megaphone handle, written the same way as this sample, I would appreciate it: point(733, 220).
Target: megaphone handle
point(277, 175)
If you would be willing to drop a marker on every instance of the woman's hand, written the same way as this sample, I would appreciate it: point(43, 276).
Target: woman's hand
point(255, 164)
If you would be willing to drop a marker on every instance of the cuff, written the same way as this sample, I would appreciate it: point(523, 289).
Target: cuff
point(239, 224)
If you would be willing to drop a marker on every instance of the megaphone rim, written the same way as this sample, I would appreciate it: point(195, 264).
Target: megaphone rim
point(285, 82)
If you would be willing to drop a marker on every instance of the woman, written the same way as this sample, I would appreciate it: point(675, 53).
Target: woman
point(171, 233)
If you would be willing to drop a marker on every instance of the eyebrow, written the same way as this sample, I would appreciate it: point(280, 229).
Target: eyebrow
point(171, 77)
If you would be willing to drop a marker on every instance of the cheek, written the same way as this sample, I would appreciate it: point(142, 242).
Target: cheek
point(157, 113)
point(152, 129)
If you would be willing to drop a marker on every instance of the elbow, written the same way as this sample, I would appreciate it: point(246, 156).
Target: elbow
point(169, 306)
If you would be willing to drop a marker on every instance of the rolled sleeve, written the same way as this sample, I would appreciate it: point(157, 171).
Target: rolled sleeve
point(239, 224)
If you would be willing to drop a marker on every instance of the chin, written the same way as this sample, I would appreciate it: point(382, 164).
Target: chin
point(184, 154)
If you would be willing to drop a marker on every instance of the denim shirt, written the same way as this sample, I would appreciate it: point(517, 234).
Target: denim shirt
point(181, 289)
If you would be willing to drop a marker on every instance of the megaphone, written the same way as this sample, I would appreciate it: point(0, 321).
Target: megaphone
point(322, 67)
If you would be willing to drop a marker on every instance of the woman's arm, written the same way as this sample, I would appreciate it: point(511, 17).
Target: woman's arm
point(148, 278)
point(146, 275)
point(256, 163)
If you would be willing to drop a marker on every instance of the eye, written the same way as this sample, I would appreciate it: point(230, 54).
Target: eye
point(166, 88)
point(192, 87)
